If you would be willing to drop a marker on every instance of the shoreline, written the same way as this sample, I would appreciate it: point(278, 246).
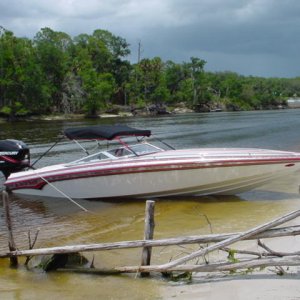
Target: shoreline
point(123, 112)
point(59, 117)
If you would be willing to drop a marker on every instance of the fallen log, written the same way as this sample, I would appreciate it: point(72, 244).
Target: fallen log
point(214, 267)
point(93, 271)
point(203, 239)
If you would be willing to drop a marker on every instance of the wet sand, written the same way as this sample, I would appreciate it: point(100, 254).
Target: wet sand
point(246, 288)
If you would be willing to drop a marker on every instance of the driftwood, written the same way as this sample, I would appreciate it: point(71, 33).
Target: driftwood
point(203, 239)
point(148, 234)
point(11, 242)
point(31, 244)
point(265, 259)
point(218, 267)
point(276, 253)
point(213, 267)
point(246, 252)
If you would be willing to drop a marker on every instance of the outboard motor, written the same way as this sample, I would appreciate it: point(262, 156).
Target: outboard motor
point(14, 156)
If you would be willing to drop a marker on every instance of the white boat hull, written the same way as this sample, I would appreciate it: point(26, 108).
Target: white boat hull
point(163, 175)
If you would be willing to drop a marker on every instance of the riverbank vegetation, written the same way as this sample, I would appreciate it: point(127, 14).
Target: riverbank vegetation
point(89, 74)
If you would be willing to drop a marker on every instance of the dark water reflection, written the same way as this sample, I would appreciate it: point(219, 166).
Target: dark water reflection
point(61, 222)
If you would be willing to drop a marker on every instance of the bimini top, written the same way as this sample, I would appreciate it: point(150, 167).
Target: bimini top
point(103, 132)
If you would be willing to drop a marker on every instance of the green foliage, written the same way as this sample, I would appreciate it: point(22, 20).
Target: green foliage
point(88, 73)
point(99, 89)
point(231, 256)
point(6, 110)
point(16, 110)
point(179, 276)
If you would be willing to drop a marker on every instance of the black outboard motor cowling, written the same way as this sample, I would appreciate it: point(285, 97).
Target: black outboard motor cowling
point(14, 156)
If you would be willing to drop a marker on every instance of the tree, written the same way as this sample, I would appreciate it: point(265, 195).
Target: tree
point(175, 75)
point(22, 87)
point(117, 46)
point(196, 69)
point(150, 71)
point(118, 49)
point(98, 88)
point(52, 53)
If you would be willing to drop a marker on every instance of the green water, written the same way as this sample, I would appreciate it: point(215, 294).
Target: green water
point(61, 223)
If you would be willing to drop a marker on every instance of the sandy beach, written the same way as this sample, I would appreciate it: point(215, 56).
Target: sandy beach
point(248, 287)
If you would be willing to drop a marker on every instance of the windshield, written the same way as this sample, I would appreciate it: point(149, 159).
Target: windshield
point(138, 149)
point(134, 150)
point(143, 149)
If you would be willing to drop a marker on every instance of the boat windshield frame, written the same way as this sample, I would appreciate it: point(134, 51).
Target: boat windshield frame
point(124, 151)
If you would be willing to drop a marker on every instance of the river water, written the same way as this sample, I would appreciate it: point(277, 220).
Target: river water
point(62, 223)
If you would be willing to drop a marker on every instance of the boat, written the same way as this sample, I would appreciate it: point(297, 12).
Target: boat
point(143, 169)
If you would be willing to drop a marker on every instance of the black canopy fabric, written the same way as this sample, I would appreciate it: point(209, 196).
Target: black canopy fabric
point(106, 132)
